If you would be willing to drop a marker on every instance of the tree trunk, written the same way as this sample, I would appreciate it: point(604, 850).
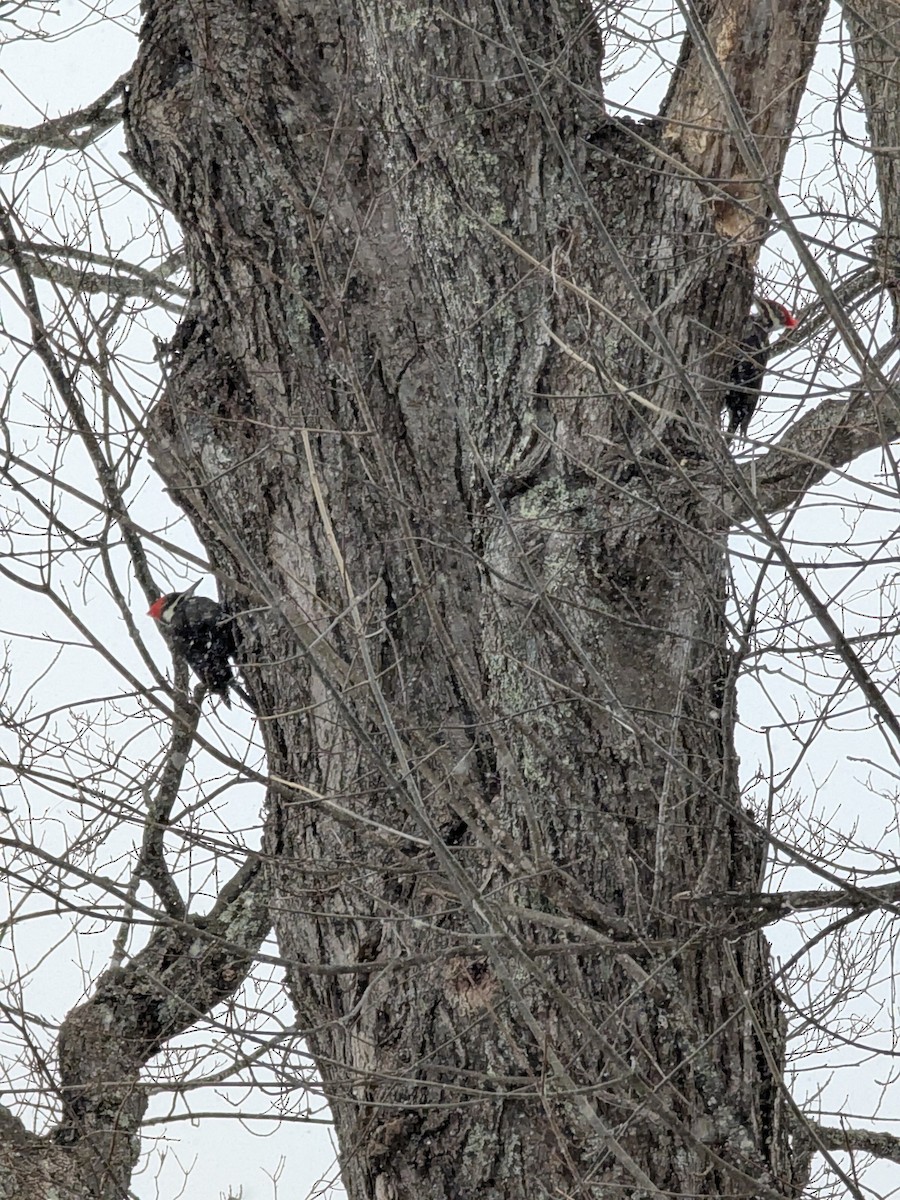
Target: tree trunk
point(445, 414)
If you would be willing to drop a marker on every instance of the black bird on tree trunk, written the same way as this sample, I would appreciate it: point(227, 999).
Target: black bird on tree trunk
point(750, 366)
point(200, 631)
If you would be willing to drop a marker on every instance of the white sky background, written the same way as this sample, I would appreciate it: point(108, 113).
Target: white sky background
point(58, 75)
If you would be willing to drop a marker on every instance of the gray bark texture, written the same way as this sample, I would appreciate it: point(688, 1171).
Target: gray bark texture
point(444, 411)
point(445, 414)
point(874, 29)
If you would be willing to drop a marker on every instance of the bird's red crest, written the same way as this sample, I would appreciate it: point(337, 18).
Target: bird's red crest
point(155, 609)
point(773, 314)
point(790, 321)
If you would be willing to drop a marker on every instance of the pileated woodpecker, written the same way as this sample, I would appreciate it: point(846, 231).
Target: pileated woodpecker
point(749, 369)
point(201, 632)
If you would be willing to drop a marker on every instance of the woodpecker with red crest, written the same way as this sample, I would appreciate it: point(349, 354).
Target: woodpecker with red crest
point(201, 632)
point(749, 369)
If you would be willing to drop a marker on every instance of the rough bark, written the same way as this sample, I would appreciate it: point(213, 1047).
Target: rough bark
point(764, 52)
point(874, 29)
point(446, 408)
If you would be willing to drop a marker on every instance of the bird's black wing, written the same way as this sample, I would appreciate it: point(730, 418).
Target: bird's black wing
point(747, 378)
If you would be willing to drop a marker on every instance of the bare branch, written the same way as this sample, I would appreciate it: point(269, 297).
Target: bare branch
point(123, 279)
point(860, 1141)
point(72, 131)
point(831, 437)
point(153, 866)
point(774, 906)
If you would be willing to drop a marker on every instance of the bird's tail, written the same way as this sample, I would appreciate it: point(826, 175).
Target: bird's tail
point(236, 687)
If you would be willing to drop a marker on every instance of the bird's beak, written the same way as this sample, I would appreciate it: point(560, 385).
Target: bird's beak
point(190, 591)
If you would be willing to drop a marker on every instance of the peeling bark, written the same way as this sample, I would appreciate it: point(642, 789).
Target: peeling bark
point(764, 49)
point(874, 29)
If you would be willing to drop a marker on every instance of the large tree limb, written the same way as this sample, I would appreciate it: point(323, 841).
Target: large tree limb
point(765, 52)
point(874, 27)
point(861, 1141)
point(835, 434)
